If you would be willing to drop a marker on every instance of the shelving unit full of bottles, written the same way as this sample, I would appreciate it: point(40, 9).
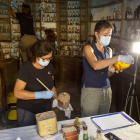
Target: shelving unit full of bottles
point(73, 26)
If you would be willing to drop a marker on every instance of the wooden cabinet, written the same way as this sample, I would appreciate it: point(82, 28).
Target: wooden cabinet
point(8, 72)
point(68, 72)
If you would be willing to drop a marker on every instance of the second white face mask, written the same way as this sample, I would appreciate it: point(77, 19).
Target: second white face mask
point(104, 40)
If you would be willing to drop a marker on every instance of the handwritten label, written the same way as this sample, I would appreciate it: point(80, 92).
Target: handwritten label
point(13, 48)
point(74, 47)
point(73, 25)
point(73, 41)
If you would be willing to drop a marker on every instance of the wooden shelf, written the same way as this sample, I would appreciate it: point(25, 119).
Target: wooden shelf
point(2, 4)
point(129, 40)
point(5, 40)
point(74, 16)
point(117, 37)
point(4, 22)
point(107, 4)
point(132, 19)
point(73, 8)
point(4, 17)
point(50, 12)
point(4, 32)
point(4, 14)
point(75, 25)
point(50, 21)
point(107, 20)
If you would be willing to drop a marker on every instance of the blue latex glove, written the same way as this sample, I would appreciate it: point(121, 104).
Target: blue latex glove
point(15, 5)
point(44, 94)
point(38, 36)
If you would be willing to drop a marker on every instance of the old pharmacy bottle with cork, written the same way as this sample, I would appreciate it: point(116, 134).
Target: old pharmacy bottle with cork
point(85, 133)
point(98, 137)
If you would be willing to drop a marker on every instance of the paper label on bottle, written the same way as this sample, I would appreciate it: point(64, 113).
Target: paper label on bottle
point(11, 24)
point(74, 47)
point(12, 53)
point(73, 25)
point(74, 34)
point(13, 48)
point(13, 41)
point(73, 41)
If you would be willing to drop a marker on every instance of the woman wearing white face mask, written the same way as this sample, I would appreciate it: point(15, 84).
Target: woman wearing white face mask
point(97, 59)
point(32, 97)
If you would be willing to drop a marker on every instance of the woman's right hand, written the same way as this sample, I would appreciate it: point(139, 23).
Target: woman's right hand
point(47, 94)
point(126, 58)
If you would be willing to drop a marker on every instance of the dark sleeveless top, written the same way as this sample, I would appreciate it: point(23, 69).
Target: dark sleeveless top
point(96, 78)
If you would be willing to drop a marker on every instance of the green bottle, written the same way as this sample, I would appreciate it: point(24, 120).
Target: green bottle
point(85, 132)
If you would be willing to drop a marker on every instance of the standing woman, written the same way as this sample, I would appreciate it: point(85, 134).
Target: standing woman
point(97, 59)
point(32, 97)
point(50, 35)
point(28, 37)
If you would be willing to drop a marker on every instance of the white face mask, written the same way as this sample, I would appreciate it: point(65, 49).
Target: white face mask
point(104, 40)
point(43, 62)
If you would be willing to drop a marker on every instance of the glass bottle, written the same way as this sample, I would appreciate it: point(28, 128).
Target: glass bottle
point(91, 17)
point(71, 22)
point(85, 132)
point(98, 137)
point(69, 6)
point(73, 5)
point(114, 13)
point(54, 18)
point(69, 30)
point(48, 17)
point(43, 17)
point(70, 13)
point(77, 13)
point(73, 13)
point(74, 21)
point(117, 13)
point(63, 30)
point(51, 19)
point(83, 14)
point(52, 7)
point(76, 6)
point(77, 22)
point(38, 17)
point(130, 13)
point(127, 13)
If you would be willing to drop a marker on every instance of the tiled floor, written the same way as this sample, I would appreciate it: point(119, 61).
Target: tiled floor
point(75, 102)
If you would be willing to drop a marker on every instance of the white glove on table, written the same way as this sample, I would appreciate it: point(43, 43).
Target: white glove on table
point(126, 58)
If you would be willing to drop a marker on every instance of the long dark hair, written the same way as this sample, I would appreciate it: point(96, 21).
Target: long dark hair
point(40, 48)
point(26, 9)
point(99, 26)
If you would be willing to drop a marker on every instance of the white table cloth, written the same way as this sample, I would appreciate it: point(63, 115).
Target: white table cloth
point(30, 132)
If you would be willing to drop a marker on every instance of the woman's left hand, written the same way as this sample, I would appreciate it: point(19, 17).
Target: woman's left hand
point(38, 36)
point(14, 5)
